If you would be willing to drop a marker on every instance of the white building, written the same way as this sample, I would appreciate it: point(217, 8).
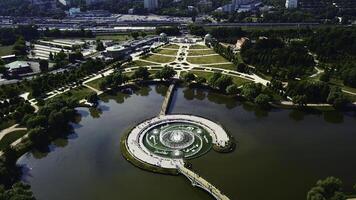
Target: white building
point(291, 4)
point(150, 4)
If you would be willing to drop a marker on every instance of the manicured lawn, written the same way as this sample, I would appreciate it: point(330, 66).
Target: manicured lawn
point(6, 124)
point(207, 60)
point(201, 52)
point(78, 93)
point(115, 37)
point(238, 81)
point(137, 63)
point(10, 138)
point(166, 52)
point(197, 46)
point(6, 50)
point(95, 83)
point(223, 66)
point(339, 83)
point(158, 58)
point(171, 46)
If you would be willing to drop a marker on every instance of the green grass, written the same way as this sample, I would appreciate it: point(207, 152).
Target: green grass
point(10, 138)
point(115, 37)
point(171, 46)
point(197, 46)
point(339, 83)
point(95, 83)
point(201, 52)
point(78, 93)
point(158, 58)
point(238, 81)
point(137, 63)
point(6, 50)
point(166, 52)
point(207, 60)
point(224, 66)
point(6, 124)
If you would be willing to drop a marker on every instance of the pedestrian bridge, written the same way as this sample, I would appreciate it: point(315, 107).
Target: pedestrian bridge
point(202, 183)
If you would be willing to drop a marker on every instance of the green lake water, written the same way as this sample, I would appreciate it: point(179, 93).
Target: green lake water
point(280, 154)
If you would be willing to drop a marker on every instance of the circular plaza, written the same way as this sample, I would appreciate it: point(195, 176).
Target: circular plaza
point(167, 140)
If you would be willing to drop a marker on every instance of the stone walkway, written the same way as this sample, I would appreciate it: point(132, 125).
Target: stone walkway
point(10, 130)
point(202, 183)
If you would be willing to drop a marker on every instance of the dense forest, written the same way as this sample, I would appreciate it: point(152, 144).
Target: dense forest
point(277, 58)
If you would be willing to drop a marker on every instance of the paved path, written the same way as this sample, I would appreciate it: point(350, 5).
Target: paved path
point(202, 183)
point(10, 130)
point(348, 92)
point(205, 55)
point(167, 100)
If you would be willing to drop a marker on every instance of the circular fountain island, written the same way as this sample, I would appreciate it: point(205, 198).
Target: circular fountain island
point(164, 143)
point(178, 140)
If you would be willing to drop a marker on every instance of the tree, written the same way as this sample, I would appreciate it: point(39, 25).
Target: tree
point(141, 73)
point(166, 73)
point(213, 79)
point(77, 55)
point(43, 65)
point(18, 191)
point(36, 121)
point(337, 98)
point(38, 136)
point(263, 100)
point(99, 46)
point(200, 80)
point(2, 69)
point(242, 67)
point(19, 48)
point(327, 189)
point(232, 89)
point(189, 77)
point(92, 98)
point(51, 56)
point(251, 90)
point(223, 82)
point(135, 35)
point(300, 100)
point(325, 77)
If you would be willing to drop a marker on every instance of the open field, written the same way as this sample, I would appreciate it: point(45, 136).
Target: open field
point(207, 59)
point(238, 81)
point(197, 46)
point(6, 123)
point(166, 52)
point(115, 37)
point(230, 66)
point(78, 93)
point(201, 52)
point(137, 63)
point(10, 138)
point(6, 50)
point(171, 46)
point(158, 58)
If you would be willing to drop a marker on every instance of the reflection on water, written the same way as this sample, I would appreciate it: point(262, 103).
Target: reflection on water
point(279, 151)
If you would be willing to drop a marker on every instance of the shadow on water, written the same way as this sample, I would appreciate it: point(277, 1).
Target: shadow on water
point(95, 112)
point(335, 117)
point(143, 91)
point(161, 89)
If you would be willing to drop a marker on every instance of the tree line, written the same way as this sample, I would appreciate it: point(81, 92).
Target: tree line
point(277, 58)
